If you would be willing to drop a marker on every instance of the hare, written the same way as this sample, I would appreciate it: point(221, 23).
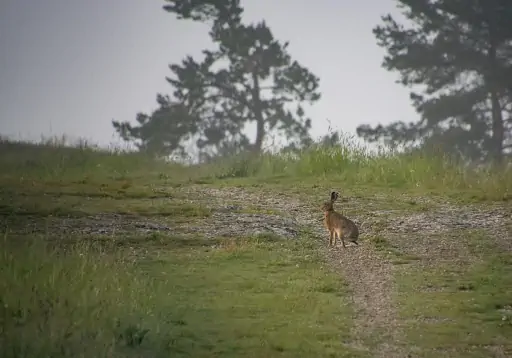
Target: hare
point(337, 224)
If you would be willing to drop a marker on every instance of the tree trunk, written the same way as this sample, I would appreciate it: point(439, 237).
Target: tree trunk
point(258, 114)
point(497, 129)
point(493, 82)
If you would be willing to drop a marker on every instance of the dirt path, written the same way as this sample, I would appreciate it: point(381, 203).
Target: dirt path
point(377, 326)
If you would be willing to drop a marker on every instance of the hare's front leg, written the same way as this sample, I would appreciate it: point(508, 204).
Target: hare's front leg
point(331, 235)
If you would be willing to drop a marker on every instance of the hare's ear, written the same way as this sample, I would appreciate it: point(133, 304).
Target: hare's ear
point(334, 196)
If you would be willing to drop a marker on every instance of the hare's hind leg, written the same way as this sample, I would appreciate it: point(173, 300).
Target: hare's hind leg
point(342, 237)
point(353, 237)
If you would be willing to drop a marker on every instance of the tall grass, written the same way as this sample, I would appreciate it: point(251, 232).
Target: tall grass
point(55, 159)
point(75, 302)
point(345, 162)
point(354, 165)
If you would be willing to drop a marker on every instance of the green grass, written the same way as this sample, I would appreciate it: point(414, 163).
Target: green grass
point(140, 294)
point(92, 172)
point(250, 296)
point(76, 206)
point(351, 166)
point(391, 252)
point(461, 309)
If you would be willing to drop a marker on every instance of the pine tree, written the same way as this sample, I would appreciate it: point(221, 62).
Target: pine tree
point(248, 78)
point(459, 54)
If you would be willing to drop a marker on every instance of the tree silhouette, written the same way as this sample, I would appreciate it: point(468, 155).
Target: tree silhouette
point(248, 78)
point(163, 132)
point(459, 53)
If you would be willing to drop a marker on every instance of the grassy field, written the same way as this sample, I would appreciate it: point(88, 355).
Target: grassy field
point(114, 254)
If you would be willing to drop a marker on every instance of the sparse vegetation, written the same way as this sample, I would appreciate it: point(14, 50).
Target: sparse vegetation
point(121, 255)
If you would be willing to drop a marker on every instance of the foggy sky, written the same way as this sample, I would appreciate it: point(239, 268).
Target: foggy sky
point(69, 66)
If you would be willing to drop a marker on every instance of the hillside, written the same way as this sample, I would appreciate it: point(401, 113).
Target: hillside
point(114, 254)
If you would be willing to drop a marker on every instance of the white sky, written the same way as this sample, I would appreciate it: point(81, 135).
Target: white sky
point(70, 67)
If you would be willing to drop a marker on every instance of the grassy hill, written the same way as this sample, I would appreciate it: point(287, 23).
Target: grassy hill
point(113, 254)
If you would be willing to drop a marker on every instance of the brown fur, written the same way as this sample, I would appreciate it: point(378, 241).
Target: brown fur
point(338, 225)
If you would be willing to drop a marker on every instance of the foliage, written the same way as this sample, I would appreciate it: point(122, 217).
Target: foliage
point(459, 54)
point(162, 132)
point(248, 78)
